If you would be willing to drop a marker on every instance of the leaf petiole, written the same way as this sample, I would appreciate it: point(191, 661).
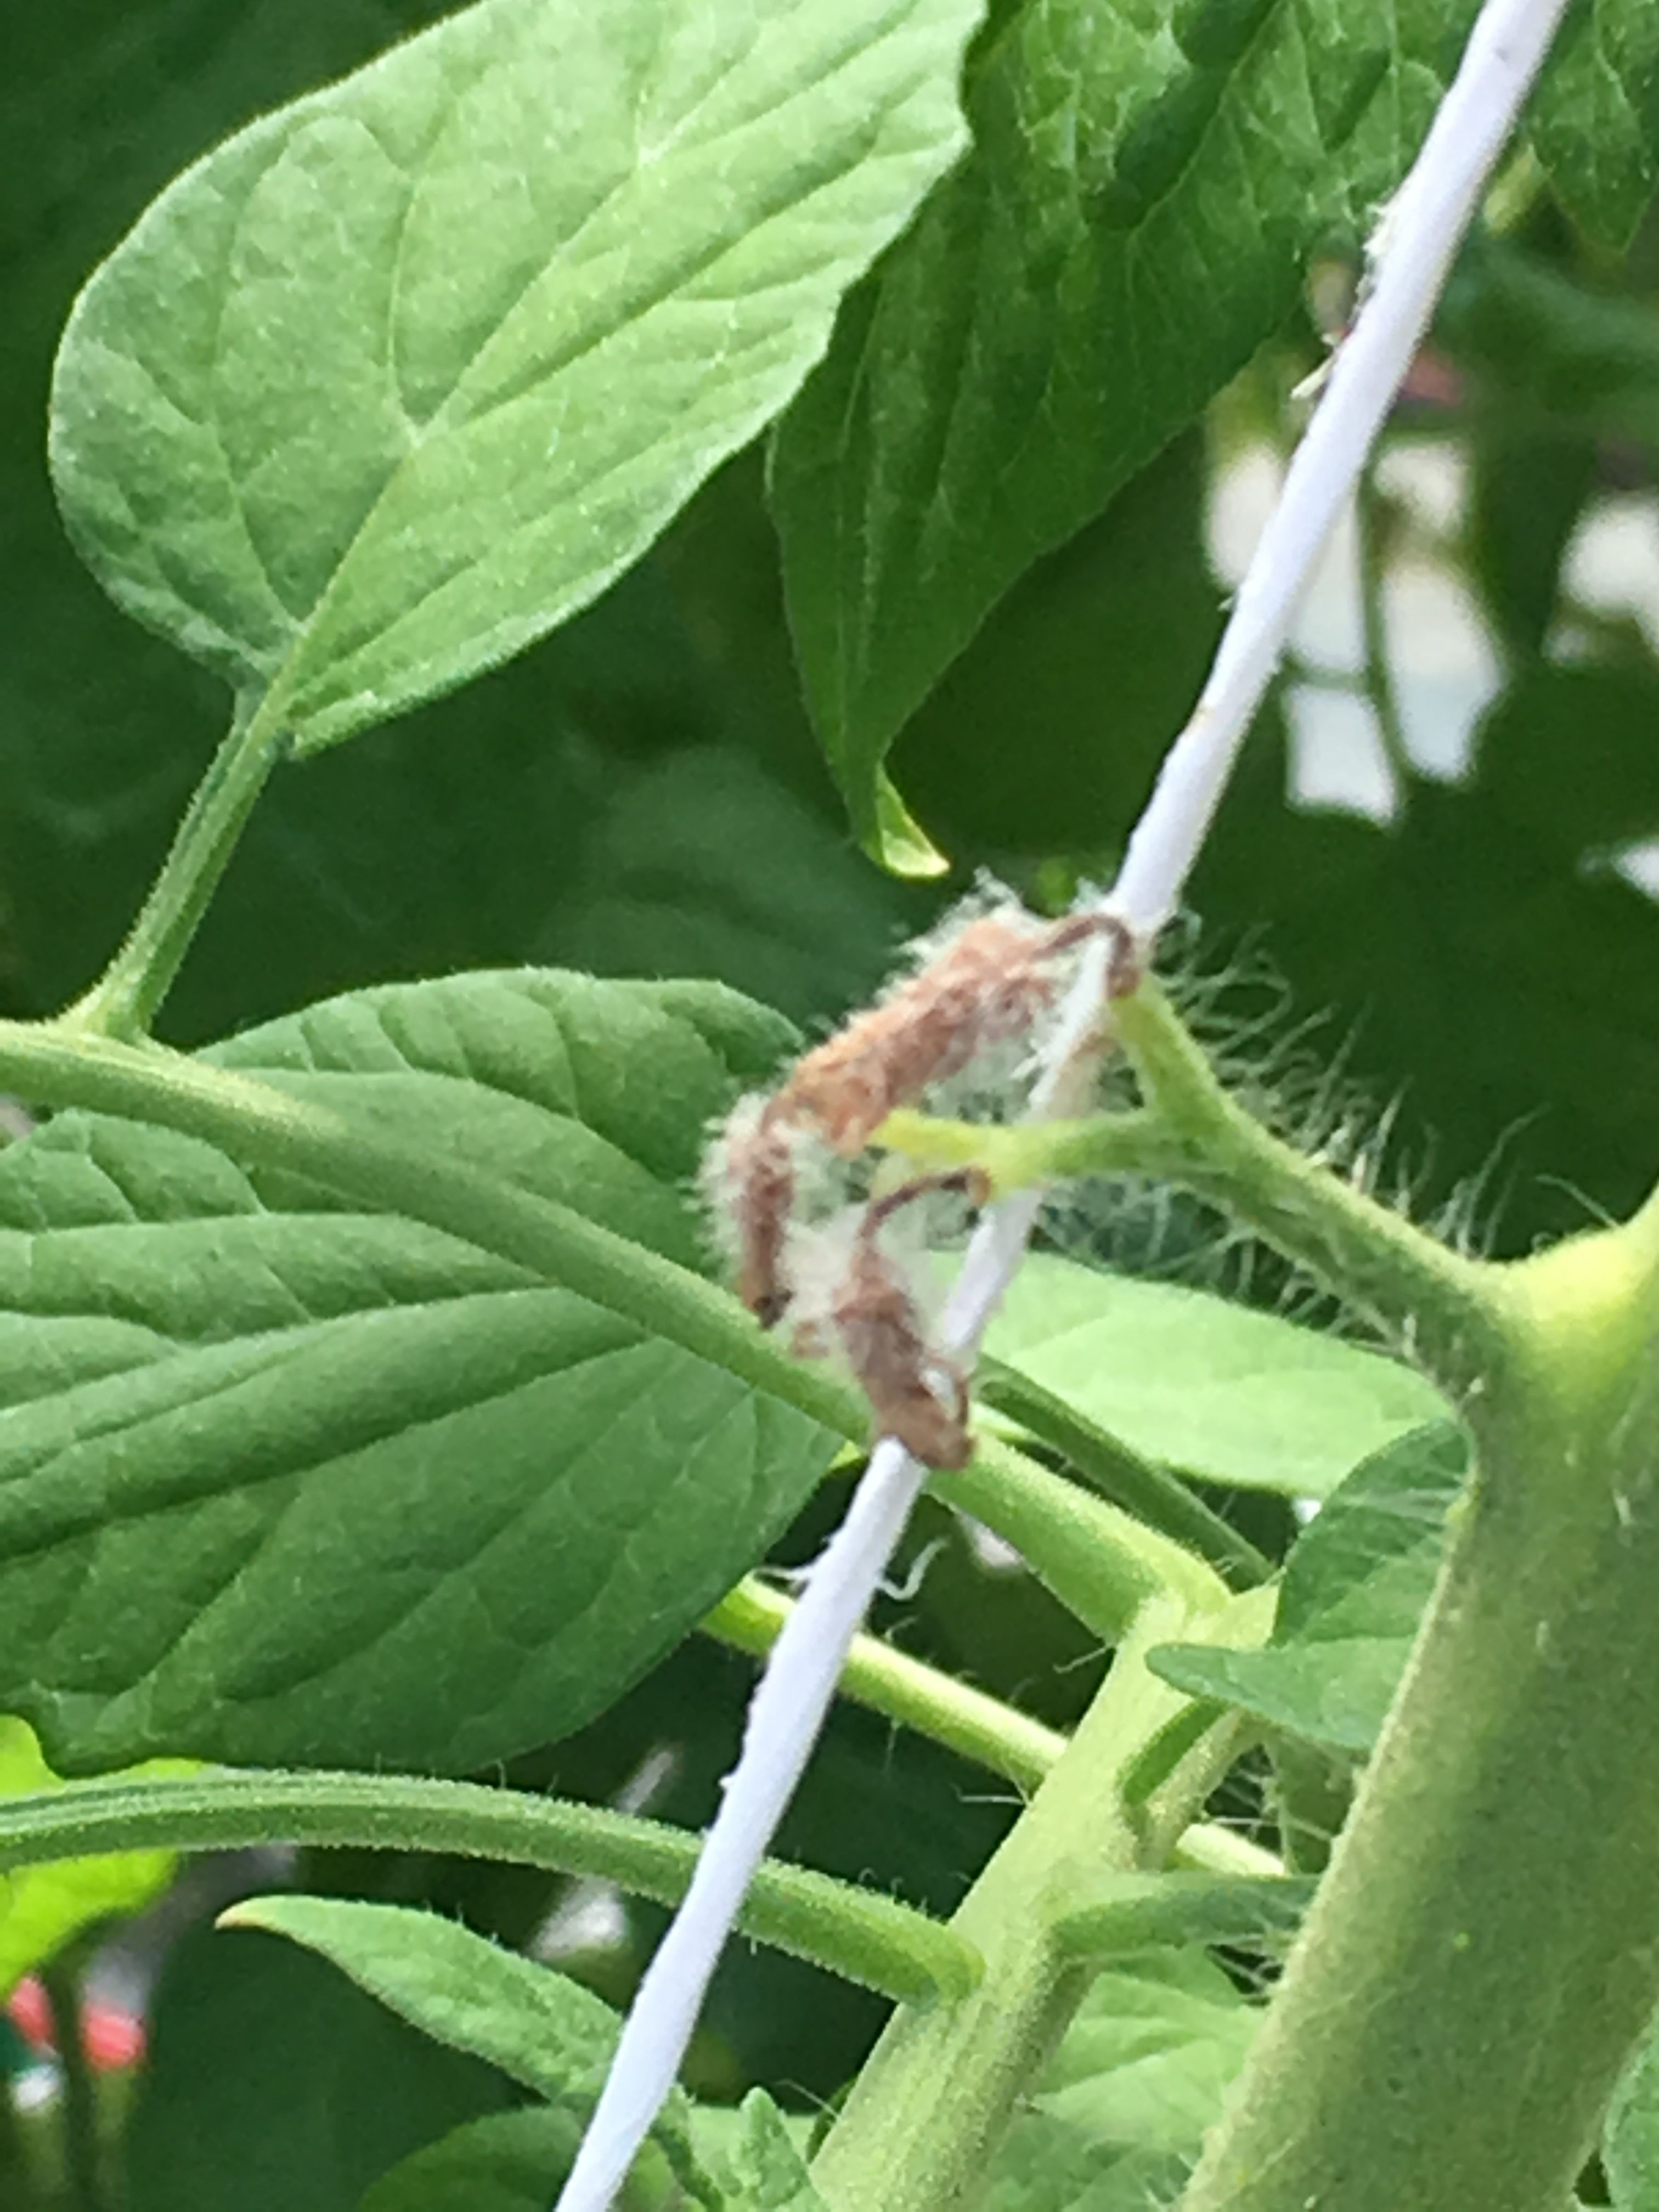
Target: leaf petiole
point(859, 1934)
point(126, 998)
point(935, 1704)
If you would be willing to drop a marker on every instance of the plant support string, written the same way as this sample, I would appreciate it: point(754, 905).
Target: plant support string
point(1412, 250)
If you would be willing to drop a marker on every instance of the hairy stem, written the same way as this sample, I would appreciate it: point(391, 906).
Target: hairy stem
point(1151, 1494)
point(1100, 1563)
point(1436, 1305)
point(127, 996)
point(1439, 1309)
point(856, 1932)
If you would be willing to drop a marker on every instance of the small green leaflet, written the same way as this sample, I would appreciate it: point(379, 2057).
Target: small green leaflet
point(1237, 1398)
point(1117, 2121)
point(1353, 1593)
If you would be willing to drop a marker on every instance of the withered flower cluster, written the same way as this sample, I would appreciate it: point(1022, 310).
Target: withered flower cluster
point(983, 983)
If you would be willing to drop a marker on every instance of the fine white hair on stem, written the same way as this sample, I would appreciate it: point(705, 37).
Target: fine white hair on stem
point(1424, 225)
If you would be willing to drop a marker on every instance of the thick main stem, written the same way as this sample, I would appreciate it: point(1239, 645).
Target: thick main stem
point(1485, 1949)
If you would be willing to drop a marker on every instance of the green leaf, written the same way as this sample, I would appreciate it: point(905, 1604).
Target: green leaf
point(1146, 183)
point(1070, 635)
point(1594, 119)
point(1630, 2146)
point(283, 1481)
point(1336, 1693)
point(760, 2162)
point(384, 388)
point(1354, 1591)
point(1116, 2123)
point(1367, 1564)
point(42, 1908)
point(505, 2162)
point(538, 2027)
point(272, 2084)
point(1235, 1397)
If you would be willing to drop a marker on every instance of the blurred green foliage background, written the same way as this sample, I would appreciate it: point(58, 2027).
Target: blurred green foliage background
point(642, 794)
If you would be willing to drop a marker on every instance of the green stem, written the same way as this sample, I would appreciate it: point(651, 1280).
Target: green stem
point(937, 2091)
point(1145, 1913)
point(82, 2155)
point(1483, 1952)
point(126, 998)
point(902, 1689)
point(965, 1720)
point(1151, 1494)
point(1099, 1561)
point(1208, 1848)
point(1379, 669)
point(856, 1932)
point(1440, 1309)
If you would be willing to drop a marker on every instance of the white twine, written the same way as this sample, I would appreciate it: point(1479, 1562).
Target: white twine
point(1412, 254)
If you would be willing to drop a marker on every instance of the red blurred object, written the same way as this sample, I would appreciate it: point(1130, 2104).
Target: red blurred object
point(30, 2014)
point(111, 2038)
point(1432, 382)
